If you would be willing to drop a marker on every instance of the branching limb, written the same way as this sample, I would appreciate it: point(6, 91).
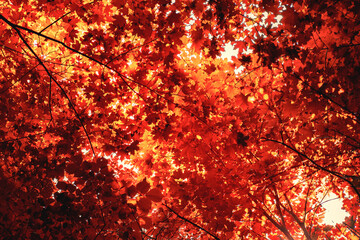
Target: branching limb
point(297, 220)
point(123, 78)
point(192, 223)
point(356, 117)
point(15, 27)
point(316, 165)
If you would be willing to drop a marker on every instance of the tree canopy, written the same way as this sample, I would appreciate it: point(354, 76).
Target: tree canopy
point(120, 120)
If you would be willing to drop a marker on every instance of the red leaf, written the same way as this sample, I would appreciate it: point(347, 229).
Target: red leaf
point(155, 195)
point(131, 191)
point(143, 186)
point(61, 185)
point(144, 204)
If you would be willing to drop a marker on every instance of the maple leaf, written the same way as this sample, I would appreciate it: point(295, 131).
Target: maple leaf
point(198, 39)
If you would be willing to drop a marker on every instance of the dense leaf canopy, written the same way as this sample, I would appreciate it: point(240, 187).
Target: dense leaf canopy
point(120, 120)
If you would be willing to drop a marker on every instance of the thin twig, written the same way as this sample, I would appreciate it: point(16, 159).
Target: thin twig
point(339, 175)
point(55, 21)
point(51, 78)
point(192, 223)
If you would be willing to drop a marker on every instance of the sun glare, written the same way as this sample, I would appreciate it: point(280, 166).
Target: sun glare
point(333, 212)
point(229, 52)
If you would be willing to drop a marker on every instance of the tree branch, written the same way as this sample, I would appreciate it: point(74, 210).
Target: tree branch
point(328, 98)
point(339, 175)
point(55, 21)
point(15, 27)
point(297, 220)
point(123, 78)
point(192, 223)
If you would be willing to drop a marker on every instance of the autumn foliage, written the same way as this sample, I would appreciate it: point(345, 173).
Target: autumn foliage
point(120, 120)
